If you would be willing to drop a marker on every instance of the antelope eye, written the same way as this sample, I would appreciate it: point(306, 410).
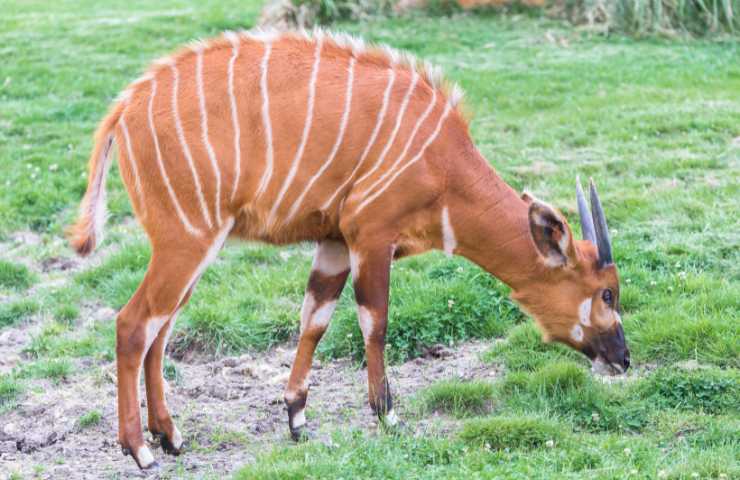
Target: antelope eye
point(608, 296)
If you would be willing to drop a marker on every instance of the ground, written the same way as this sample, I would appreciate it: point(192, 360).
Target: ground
point(655, 122)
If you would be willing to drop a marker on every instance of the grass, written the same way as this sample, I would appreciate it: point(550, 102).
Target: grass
point(89, 419)
point(15, 276)
point(457, 397)
point(655, 122)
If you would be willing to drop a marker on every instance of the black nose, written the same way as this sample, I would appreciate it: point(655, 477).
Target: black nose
point(626, 360)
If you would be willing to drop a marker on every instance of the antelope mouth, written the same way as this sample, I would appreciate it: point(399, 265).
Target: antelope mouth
point(601, 367)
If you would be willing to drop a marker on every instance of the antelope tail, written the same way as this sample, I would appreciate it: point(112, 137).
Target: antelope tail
point(87, 231)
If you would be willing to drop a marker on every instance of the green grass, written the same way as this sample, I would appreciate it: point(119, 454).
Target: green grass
point(89, 419)
point(456, 397)
point(15, 276)
point(656, 123)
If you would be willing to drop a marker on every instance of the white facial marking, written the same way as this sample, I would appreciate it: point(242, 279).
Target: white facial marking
point(391, 418)
point(373, 136)
point(618, 317)
point(234, 39)
point(299, 419)
point(176, 438)
point(186, 148)
point(304, 136)
point(422, 150)
point(332, 258)
point(337, 143)
point(144, 456)
point(584, 312)
point(265, 180)
point(180, 213)
point(367, 322)
point(449, 242)
point(577, 333)
point(204, 132)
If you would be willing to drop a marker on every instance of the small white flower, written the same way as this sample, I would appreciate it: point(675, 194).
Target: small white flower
point(450, 303)
point(653, 283)
point(595, 417)
point(627, 451)
point(662, 474)
point(628, 280)
point(694, 475)
point(634, 471)
point(53, 167)
point(549, 444)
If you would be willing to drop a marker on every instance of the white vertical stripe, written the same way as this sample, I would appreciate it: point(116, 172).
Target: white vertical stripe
point(180, 213)
point(134, 167)
point(186, 148)
point(265, 180)
point(432, 137)
point(234, 39)
point(304, 136)
point(449, 242)
point(396, 128)
point(337, 143)
point(204, 130)
point(373, 136)
point(406, 148)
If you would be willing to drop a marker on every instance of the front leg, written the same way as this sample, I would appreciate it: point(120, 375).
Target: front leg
point(328, 276)
point(371, 276)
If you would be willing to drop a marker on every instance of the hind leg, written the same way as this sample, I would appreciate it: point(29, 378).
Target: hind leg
point(172, 272)
point(158, 416)
point(328, 276)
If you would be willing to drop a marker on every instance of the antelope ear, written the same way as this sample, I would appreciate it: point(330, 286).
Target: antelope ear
point(551, 235)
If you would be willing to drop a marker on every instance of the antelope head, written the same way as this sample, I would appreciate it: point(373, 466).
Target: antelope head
point(574, 298)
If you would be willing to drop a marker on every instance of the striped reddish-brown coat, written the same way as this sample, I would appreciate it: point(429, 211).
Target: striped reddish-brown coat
point(286, 137)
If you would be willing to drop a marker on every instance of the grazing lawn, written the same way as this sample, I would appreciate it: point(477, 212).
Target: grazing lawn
point(656, 123)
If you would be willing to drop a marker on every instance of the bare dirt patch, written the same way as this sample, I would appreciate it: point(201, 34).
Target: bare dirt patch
point(228, 409)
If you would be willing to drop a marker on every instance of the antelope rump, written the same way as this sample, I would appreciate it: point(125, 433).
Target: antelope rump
point(291, 137)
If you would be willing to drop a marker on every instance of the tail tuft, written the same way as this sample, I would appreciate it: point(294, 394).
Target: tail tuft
point(87, 231)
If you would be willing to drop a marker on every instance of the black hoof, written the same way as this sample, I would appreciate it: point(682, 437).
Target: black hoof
point(300, 434)
point(166, 445)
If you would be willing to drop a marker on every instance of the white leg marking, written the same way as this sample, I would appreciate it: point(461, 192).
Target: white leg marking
point(186, 148)
point(576, 332)
point(337, 143)
point(354, 262)
point(213, 250)
point(180, 213)
point(373, 136)
point(396, 128)
point(309, 305)
point(367, 322)
point(266, 122)
point(176, 438)
point(134, 167)
point(449, 242)
point(204, 130)
point(304, 136)
point(153, 326)
point(331, 258)
point(406, 148)
point(234, 39)
point(432, 137)
point(391, 418)
point(299, 419)
point(321, 317)
point(584, 312)
point(144, 456)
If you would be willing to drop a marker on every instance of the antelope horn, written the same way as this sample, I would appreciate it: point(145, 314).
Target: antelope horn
point(600, 228)
point(587, 223)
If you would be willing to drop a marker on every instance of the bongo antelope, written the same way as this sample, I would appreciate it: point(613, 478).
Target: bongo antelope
point(290, 137)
